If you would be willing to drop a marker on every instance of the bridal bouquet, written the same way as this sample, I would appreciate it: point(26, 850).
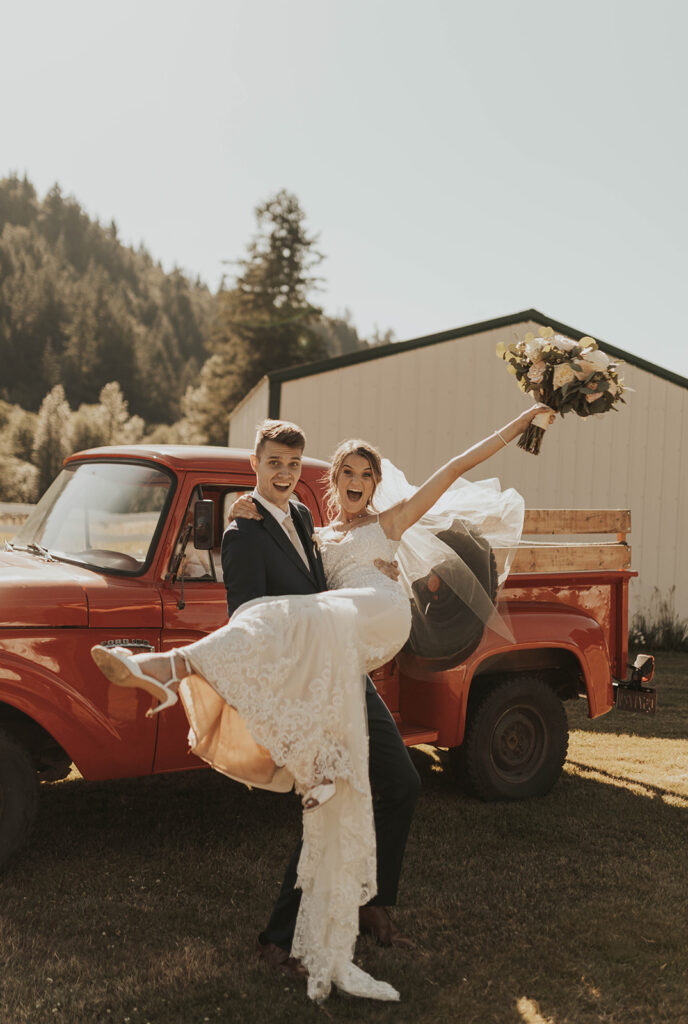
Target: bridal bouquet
point(568, 376)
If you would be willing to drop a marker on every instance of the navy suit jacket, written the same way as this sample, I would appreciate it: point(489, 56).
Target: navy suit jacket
point(259, 560)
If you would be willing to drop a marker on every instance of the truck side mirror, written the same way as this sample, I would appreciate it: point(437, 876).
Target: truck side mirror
point(204, 524)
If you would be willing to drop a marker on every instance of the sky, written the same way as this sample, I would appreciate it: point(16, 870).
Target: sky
point(458, 160)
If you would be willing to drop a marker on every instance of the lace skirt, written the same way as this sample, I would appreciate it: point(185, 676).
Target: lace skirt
point(294, 670)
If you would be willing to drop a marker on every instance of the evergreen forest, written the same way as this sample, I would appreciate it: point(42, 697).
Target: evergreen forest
point(100, 345)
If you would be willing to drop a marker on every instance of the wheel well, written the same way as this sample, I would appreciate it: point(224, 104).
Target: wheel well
point(51, 760)
point(558, 668)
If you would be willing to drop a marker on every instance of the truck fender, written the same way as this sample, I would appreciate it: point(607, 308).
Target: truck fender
point(93, 740)
point(540, 631)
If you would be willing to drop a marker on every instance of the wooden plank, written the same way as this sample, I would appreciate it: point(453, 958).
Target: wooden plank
point(576, 520)
point(571, 558)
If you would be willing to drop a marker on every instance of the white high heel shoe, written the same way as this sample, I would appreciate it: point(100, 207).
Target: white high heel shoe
point(318, 795)
point(120, 667)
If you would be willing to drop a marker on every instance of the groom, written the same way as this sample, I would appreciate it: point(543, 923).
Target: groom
point(270, 554)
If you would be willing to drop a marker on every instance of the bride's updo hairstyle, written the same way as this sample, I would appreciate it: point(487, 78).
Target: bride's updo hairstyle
point(344, 450)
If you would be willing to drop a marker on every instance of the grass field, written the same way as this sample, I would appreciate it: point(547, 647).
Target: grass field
point(140, 900)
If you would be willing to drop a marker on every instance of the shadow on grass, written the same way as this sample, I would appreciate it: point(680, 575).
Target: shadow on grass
point(617, 778)
point(141, 899)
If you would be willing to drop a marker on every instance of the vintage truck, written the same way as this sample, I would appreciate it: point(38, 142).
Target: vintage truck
point(124, 548)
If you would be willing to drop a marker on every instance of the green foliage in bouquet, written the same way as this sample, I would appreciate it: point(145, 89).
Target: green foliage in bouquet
point(568, 376)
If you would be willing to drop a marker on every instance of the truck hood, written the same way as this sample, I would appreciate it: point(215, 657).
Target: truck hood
point(37, 593)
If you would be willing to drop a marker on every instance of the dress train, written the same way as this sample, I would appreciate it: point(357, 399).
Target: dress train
point(285, 681)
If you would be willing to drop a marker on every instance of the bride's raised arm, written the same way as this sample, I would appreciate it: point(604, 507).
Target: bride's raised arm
point(399, 517)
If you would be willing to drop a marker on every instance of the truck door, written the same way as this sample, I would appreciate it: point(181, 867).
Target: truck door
point(194, 600)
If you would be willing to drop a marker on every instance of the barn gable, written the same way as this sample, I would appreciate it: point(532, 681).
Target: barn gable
point(421, 401)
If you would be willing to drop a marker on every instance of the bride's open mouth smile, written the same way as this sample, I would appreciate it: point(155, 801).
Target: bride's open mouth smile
point(355, 485)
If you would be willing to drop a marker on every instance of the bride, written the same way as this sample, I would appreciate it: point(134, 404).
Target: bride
point(294, 669)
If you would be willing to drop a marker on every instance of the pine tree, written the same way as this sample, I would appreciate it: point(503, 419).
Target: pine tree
point(79, 308)
point(266, 321)
point(118, 426)
point(52, 441)
point(108, 422)
point(268, 312)
point(207, 406)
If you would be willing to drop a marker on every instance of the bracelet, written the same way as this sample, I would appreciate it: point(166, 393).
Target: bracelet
point(505, 443)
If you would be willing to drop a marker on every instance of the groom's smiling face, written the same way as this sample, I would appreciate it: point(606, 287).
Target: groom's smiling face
point(277, 469)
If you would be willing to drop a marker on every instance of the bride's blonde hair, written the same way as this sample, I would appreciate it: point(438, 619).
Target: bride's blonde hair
point(344, 450)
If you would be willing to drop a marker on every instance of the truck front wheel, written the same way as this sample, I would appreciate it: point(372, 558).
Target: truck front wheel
point(18, 795)
point(516, 740)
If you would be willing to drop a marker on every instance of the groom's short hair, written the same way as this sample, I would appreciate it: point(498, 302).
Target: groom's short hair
point(281, 431)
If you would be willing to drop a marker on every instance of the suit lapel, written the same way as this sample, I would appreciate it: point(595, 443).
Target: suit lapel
point(278, 534)
point(302, 528)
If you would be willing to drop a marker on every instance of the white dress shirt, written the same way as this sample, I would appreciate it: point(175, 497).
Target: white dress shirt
point(281, 517)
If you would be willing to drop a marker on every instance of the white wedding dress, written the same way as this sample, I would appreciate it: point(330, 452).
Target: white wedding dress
point(294, 668)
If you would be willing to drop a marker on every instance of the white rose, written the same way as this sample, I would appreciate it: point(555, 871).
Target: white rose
point(562, 343)
point(537, 371)
point(597, 358)
point(587, 366)
point(562, 375)
point(533, 349)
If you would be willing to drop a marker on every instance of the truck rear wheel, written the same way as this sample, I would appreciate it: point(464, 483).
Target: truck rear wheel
point(516, 741)
point(18, 795)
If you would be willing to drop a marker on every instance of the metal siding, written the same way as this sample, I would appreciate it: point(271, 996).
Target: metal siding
point(681, 532)
point(667, 497)
point(424, 405)
point(651, 497)
point(244, 420)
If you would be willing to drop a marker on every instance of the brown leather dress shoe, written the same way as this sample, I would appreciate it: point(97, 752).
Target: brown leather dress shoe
point(376, 921)
point(278, 959)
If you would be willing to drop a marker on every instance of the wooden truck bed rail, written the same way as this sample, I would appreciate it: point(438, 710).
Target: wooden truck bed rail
point(566, 555)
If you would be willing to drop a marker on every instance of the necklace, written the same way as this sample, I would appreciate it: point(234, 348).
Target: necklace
point(345, 525)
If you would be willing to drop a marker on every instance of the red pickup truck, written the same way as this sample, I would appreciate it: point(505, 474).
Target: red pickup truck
point(114, 553)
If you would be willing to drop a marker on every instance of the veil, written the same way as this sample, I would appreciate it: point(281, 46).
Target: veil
point(446, 559)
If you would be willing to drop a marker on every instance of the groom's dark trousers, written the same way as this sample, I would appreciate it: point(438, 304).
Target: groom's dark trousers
point(259, 560)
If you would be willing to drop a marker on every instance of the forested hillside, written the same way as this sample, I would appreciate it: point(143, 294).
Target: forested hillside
point(98, 345)
point(79, 308)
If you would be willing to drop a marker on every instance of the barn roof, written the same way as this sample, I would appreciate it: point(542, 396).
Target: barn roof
point(276, 377)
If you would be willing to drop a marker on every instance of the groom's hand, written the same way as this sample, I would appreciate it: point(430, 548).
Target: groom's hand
point(390, 569)
point(243, 508)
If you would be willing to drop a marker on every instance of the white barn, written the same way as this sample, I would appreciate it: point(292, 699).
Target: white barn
point(424, 400)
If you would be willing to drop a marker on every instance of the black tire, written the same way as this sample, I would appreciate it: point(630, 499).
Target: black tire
point(516, 741)
point(447, 632)
point(18, 795)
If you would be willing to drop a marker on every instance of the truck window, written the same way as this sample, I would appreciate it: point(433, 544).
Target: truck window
point(104, 515)
point(188, 560)
point(228, 500)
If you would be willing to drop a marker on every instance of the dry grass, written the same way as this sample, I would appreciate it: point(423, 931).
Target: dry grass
point(140, 900)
